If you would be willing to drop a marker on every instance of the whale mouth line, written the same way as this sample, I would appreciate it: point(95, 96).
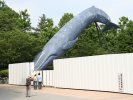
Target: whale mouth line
point(45, 62)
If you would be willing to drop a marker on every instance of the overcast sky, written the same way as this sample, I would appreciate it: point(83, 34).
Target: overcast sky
point(56, 8)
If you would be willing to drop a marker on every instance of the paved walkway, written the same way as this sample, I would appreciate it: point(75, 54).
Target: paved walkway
point(12, 92)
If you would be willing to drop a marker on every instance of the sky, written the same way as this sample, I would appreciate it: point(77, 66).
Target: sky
point(55, 9)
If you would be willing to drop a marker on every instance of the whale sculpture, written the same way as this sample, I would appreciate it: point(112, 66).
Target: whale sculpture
point(68, 35)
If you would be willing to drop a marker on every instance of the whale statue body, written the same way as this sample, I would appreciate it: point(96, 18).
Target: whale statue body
point(68, 35)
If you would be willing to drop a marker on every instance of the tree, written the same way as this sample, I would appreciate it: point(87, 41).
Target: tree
point(65, 18)
point(25, 20)
point(2, 3)
point(8, 20)
point(87, 44)
point(125, 36)
point(17, 46)
point(46, 29)
point(11, 20)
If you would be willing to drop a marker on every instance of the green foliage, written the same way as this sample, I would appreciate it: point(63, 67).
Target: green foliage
point(87, 44)
point(65, 18)
point(18, 44)
point(24, 21)
point(125, 36)
point(11, 20)
point(4, 73)
point(45, 23)
point(46, 29)
point(8, 20)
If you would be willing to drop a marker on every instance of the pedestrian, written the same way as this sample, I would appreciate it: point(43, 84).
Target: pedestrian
point(39, 79)
point(35, 82)
point(28, 86)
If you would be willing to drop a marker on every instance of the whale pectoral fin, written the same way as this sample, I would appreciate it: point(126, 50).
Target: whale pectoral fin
point(69, 44)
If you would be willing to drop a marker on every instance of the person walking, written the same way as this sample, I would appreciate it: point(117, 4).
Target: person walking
point(35, 82)
point(28, 86)
point(39, 79)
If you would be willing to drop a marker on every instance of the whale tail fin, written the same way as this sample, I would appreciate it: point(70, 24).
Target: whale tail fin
point(110, 26)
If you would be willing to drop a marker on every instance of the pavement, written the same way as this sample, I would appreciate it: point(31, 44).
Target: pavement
point(13, 92)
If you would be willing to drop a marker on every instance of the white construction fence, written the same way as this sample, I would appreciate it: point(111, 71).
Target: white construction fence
point(19, 71)
point(103, 73)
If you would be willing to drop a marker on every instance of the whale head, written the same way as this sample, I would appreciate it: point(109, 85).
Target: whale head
point(46, 56)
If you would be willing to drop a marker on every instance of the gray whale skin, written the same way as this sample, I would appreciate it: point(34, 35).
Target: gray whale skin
point(68, 35)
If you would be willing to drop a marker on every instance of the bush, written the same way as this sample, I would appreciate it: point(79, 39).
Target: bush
point(4, 73)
